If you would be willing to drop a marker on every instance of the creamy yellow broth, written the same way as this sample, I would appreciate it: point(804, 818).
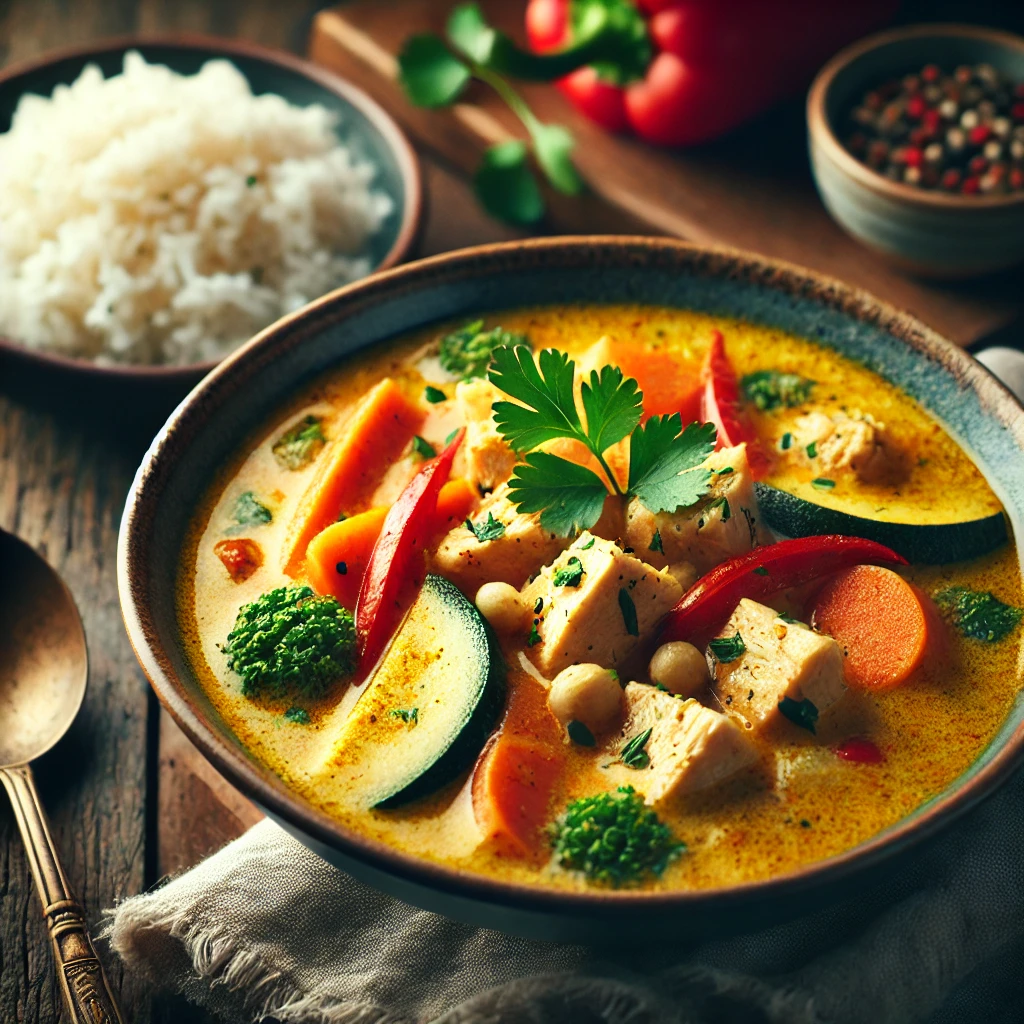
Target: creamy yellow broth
point(806, 804)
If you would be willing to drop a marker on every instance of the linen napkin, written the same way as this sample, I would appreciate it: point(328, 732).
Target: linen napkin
point(266, 928)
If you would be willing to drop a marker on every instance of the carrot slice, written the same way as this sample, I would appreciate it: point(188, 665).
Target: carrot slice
point(337, 557)
point(512, 789)
point(382, 425)
point(884, 624)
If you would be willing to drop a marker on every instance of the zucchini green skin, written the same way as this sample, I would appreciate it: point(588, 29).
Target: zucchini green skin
point(465, 747)
point(927, 544)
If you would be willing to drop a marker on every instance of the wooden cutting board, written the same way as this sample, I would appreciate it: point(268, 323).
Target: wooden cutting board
point(752, 190)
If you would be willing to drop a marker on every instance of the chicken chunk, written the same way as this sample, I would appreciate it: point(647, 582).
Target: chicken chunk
point(595, 603)
point(719, 527)
point(489, 459)
point(522, 547)
point(858, 443)
point(777, 660)
point(691, 747)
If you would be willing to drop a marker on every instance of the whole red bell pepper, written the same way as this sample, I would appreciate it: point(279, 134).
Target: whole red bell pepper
point(765, 571)
point(720, 404)
point(392, 563)
point(713, 63)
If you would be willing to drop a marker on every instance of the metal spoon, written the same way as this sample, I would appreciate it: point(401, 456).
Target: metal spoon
point(43, 669)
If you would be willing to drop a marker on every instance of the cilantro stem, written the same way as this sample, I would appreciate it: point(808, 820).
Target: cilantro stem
point(515, 102)
point(608, 471)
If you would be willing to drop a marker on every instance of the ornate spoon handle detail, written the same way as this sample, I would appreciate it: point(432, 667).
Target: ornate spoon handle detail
point(85, 986)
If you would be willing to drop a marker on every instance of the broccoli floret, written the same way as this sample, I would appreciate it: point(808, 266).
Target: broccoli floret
point(467, 352)
point(290, 640)
point(614, 839)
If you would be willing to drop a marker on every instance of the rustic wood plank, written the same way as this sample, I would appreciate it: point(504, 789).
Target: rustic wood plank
point(752, 190)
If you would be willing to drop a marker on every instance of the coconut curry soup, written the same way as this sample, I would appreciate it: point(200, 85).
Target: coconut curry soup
point(606, 597)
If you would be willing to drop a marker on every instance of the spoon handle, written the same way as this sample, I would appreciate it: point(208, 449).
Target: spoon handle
point(86, 991)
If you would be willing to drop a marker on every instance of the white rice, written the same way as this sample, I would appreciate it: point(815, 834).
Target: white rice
point(159, 218)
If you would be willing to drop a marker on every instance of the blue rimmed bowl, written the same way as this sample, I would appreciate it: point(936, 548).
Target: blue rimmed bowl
point(207, 429)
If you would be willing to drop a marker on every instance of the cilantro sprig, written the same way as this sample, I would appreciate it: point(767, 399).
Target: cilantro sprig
point(436, 72)
point(665, 460)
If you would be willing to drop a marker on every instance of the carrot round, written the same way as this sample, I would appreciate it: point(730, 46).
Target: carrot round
point(512, 788)
point(884, 624)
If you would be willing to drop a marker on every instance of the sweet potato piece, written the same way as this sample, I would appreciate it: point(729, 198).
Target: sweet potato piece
point(512, 789)
point(353, 464)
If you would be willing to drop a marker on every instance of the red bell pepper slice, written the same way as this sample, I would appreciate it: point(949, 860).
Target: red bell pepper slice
point(765, 571)
point(392, 562)
point(720, 404)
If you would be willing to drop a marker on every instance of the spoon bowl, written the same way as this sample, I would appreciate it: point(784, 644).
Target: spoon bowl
point(44, 667)
point(44, 662)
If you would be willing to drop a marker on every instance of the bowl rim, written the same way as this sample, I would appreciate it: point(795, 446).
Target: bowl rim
point(821, 132)
point(216, 46)
point(287, 806)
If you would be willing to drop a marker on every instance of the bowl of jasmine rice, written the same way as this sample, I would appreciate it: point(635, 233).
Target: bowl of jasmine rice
point(164, 200)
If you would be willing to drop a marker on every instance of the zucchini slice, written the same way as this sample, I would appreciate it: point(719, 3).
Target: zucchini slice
point(429, 708)
point(929, 544)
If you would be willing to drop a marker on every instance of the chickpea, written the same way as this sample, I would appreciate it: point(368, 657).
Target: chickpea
point(502, 606)
point(680, 668)
point(685, 574)
point(588, 694)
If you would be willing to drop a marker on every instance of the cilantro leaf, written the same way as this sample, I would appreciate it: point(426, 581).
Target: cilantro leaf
point(434, 395)
point(727, 648)
point(492, 529)
point(505, 185)
point(552, 146)
point(568, 497)
point(628, 609)
point(580, 734)
point(545, 388)
point(613, 405)
point(803, 713)
point(422, 448)
point(980, 616)
point(665, 470)
point(569, 576)
point(633, 754)
point(410, 716)
point(470, 34)
point(430, 74)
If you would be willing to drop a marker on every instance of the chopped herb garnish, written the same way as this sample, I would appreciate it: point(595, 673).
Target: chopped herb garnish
point(490, 530)
point(812, 450)
point(804, 823)
point(823, 483)
point(723, 504)
point(790, 619)
point(628, 610)
point(633, 754)
point(979, 616)
point(467, 352)
point(800, 712)
point(251, 180)
point(588, 545)
point(434, 395)
point(656, 544)
point(665, 470)
point(770, 389)
point(250, 511)
point(787, 441)
point(614, 839)
point(724, 472)
point(422, 448)
point(451, 437)
point(570, 575)
point(300, 716)
point(410, 716)
point(298, 446)
point(534, 638)
point(727, 648)
point(761, 571)
point(580, 734)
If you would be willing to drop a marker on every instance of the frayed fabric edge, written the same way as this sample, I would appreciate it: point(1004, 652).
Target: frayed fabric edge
point(262, 991)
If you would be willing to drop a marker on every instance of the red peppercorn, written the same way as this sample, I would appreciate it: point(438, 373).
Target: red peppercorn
point(950, 179)
point(977, 164)
point(932, 120)
point(916, 107)
point(859, 751)
point(931, 73)
point(979, 134)
point(970, 185)
point(920, 136)
point(1016, 178)
point(913, 156)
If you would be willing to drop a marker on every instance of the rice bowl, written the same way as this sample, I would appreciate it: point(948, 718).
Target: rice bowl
point(136, 229)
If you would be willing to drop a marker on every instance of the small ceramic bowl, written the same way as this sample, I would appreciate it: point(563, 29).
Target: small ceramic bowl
point(363, 125)
point(931, 233)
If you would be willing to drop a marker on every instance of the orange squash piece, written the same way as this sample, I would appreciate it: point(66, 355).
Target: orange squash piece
point(885, 625)
point(353, 464)
point(337, 556)
point(513, 785)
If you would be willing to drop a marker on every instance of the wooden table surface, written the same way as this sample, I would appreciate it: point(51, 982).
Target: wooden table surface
point(140, 803)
